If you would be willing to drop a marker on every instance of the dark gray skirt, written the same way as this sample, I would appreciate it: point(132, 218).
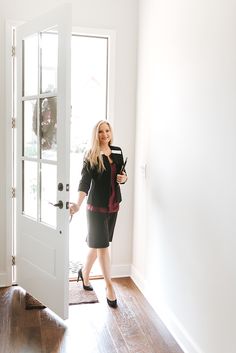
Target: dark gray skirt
point(100, 228)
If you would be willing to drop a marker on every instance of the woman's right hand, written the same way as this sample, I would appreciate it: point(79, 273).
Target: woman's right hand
point(74, 207)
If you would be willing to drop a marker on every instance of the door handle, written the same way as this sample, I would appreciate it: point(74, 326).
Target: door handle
point(58, 204)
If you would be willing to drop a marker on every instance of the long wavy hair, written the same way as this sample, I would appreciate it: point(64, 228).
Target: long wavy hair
point(94, 155)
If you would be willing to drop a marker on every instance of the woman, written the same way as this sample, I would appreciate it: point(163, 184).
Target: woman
point(101, 175)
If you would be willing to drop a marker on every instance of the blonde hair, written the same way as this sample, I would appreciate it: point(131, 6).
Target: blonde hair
point(94, 154)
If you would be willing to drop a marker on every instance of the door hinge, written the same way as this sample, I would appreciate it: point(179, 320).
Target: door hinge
point(13, 123)
point(13, 260)
point(13, 192)
point(13, 50)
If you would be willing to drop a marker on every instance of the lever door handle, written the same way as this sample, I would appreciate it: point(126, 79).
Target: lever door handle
point(58, 204)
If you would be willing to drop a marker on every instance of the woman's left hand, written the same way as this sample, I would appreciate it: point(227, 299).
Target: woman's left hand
point(121, 178)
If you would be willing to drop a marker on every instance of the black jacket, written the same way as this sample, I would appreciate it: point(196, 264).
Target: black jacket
point(98, 184)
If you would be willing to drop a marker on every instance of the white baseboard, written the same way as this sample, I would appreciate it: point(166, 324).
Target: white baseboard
point(120, 271)
point(173, 325)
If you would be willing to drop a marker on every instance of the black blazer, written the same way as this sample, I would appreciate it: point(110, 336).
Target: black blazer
point(97, 185)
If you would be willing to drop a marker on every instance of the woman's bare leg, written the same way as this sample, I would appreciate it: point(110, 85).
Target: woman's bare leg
point(104, 260)
point(90, 259)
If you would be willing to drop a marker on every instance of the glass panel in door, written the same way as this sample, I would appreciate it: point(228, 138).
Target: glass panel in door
point(30, 128)
point(30, 65)
point(29, 204)
point(49, 48)
point(48, 194)
point(39, 116)
point(48, 128)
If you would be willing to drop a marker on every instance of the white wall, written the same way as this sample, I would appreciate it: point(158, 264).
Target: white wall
point(120, 16)
point(184, 219)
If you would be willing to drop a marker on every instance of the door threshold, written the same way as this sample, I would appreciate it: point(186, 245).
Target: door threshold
point(71, 279)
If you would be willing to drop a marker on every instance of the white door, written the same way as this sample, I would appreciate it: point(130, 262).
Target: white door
point(43, 155)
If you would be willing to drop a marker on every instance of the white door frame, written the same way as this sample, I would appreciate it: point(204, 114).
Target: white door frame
point(10, 202)
point(6, 278)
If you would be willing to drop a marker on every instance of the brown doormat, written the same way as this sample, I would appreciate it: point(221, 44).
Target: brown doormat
point(77, 295)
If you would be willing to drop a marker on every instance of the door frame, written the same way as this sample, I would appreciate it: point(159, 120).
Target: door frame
point(9, 133)
point(111, 36)
point(8, 278)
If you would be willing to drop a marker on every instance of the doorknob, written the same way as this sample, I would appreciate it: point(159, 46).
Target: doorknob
point(60, 187)
point(58, 204)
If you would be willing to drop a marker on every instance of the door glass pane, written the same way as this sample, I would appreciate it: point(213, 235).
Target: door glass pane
point(48, 128)
point(30, 128)
point(30, 65)
point(49, 57)
point(48, 193)
point(29, 188)
point(88, 86)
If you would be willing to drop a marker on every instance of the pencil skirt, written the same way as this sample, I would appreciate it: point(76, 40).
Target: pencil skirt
point(100, 228)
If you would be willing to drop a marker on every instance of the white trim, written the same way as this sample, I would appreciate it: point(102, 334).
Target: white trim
point(91, 31)
point(138, 279)
point(120, 271)
point(7, 279)
point(111, 35)
point(173, 325)
point(115, 151)
point(111, 77)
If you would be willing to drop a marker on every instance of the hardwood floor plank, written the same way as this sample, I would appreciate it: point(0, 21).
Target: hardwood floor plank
point(130, 327)
point(152, 327)
point(26, 341)
point(133, 327)
point(116, 334)
point(52, 338)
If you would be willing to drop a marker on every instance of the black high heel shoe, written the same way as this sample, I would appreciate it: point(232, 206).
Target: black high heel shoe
point(112, 303)
point(80, 275)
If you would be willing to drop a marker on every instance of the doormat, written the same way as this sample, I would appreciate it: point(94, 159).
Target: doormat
point(77, 295)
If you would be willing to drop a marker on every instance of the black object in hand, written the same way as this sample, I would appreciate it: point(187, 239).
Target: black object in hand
point(123, 165)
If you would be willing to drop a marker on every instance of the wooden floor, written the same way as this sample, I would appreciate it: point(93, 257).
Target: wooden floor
point(91, 328)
